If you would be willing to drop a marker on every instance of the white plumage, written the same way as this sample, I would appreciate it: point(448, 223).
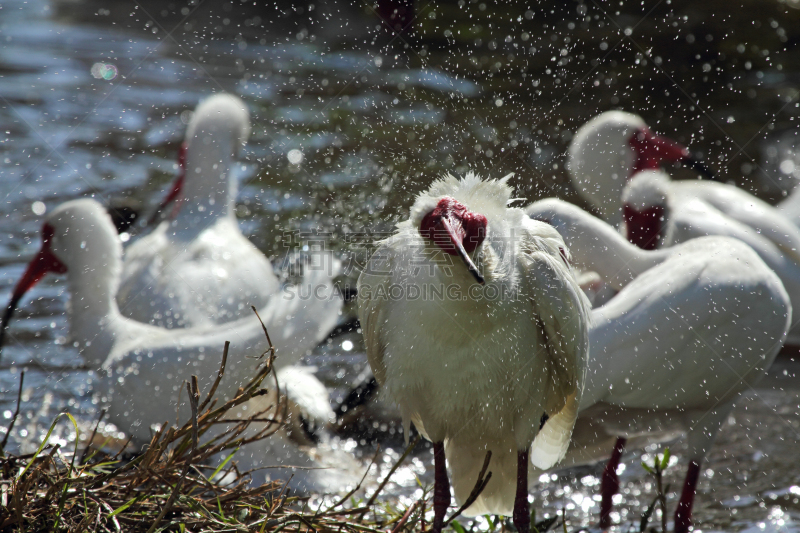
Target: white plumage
point(609, 149)
point(197, 268)
point(790, 207)
point(141, 367)
point(693, 209)
point(600, 159)
point(693, 327)
point(613, 147)
point(479, 373)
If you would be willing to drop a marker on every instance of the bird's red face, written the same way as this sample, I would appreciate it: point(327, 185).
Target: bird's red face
point(644, 226)
point(44, 262)
point(456, 230)
point(652, 150)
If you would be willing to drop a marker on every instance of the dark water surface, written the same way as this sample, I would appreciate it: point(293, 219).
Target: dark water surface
point(94, 98)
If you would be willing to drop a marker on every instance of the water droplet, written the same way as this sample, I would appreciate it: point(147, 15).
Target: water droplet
point(295, 156)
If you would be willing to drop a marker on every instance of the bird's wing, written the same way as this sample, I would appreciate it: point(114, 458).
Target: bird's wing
point(750, 211)
point(695, 218)
point(683, 333)
point(562, 312)
point(229, 268)
point(372, 306)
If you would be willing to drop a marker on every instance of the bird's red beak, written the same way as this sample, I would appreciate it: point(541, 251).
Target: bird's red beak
point(652, 150)
point(44, 262)
point(456, 230)
point(177, 187)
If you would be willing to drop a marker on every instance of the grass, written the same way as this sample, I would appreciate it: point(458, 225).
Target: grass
point(174, 484)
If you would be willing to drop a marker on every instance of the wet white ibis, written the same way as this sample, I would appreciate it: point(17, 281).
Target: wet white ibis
point(476, 327)
point(659, 213)
point(142, 366)
point(196, 268)
point(692, 328)
point(612, 147)
point(735, 203)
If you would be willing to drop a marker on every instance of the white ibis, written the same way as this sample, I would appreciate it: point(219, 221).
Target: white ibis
point(692, 328)
point(732, 201)
point(142, 366)
point(476, 327)
point(613, 147)
point(609, 149)
point(196, 268)
point(660, 213)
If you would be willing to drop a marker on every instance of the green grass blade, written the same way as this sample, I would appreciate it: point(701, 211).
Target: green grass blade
point(77, 440)
point(41, 447)
point(61, 502)
point(125, 506)
point(665, 459)
point(546, 524)
point(221, 466)
point(647, 514)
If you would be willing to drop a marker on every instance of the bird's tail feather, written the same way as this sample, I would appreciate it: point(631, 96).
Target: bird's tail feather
point(552, 441)
point(465, 458)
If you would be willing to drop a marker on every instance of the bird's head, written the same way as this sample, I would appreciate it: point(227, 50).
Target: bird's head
point(78, 237)
point(613, 147)
point(455, 230)
point(43, 262)
point(221, 123)
point(644, 208)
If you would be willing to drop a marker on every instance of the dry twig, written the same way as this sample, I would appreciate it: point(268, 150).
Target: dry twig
point(173, 484)
point(16, 413)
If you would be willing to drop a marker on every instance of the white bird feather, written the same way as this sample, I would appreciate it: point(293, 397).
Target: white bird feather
point(476, 373)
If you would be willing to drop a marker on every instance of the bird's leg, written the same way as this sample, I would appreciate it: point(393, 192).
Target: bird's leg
point(441, 487)
point(683, 512)
point(609, 483)
point(522, 512)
